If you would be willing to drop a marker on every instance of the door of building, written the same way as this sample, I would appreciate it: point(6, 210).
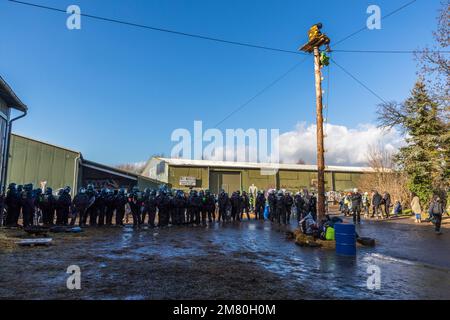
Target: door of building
point(228, 181)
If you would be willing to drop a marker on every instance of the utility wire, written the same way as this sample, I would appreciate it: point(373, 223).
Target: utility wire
point(365, 27)
point(273, 83)
point(358, 81)
point(336, 43)
point(393, 51)
point(348, 73)
point(203, 37)
point(266, 88)
point(179, 33)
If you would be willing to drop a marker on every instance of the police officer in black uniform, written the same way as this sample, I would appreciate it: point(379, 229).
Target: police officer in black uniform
point(235, 206)
point(28, 205)
point(179, 203)
point(163, 203)
point(145, 210)
point(19, 193)
point(289, 203)
point(280, 208)
point(260, 203)
point(135, 206)
point(152, 208)
point(120, 200)
point(79, 206)
point(190, 208)
point(171, 211)
point(210, 206)
point(47, 205)
point(100, 205)
point(222, 204)
point(12, 202)
point(110, 206)
point(197, 201)
point(91, 210)
point(300, 206)
point(271, 200)
point(245, 205)
point(37, 205)
point(203, 207)
point(63, 204)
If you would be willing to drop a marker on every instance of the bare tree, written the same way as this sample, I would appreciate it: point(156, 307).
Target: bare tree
point(390, 115)
point(434, 65)
point(386, 177)
point(137, 167)
point(158, 155)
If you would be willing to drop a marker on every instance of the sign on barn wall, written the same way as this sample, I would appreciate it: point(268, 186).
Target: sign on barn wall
point(188, 181)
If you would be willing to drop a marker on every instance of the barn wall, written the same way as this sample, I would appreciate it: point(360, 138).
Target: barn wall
point(32, 162)
point(290, 180)
point(254, 176)
point(200, 173)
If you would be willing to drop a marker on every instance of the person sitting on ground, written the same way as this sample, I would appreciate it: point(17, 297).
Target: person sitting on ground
point(326, 224)
point(398, 209)
point(309, 226)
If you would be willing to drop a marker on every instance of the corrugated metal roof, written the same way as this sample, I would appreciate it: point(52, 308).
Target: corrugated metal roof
point(10, 97)
point(109, 169)
point(47, 143)
point(254, 165)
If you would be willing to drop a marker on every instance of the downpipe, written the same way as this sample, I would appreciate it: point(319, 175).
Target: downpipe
point(6, 163)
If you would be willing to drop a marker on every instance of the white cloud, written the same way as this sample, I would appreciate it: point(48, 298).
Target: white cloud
point(343, 145)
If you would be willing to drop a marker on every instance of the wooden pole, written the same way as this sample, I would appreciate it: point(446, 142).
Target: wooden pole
point(320, 147)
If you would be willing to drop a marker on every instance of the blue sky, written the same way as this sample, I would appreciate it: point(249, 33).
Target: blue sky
point(116, 93)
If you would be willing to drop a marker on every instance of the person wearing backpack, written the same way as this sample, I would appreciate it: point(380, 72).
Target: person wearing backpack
point(386, 201)
point(436, 210)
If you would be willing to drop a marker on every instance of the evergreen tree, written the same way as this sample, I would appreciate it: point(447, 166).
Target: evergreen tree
point(425, 158)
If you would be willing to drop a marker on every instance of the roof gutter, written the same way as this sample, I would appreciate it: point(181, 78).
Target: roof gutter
point(7, 148)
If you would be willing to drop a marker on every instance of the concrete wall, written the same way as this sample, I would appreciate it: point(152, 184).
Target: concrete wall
point(33, 161)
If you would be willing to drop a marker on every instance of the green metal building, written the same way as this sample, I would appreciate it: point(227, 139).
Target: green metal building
point(231, 176)
point(45, 164)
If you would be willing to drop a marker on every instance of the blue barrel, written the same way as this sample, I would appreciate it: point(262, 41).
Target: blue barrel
point(345, 236)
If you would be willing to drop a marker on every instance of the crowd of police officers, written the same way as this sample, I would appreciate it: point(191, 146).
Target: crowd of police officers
point(160, 207)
